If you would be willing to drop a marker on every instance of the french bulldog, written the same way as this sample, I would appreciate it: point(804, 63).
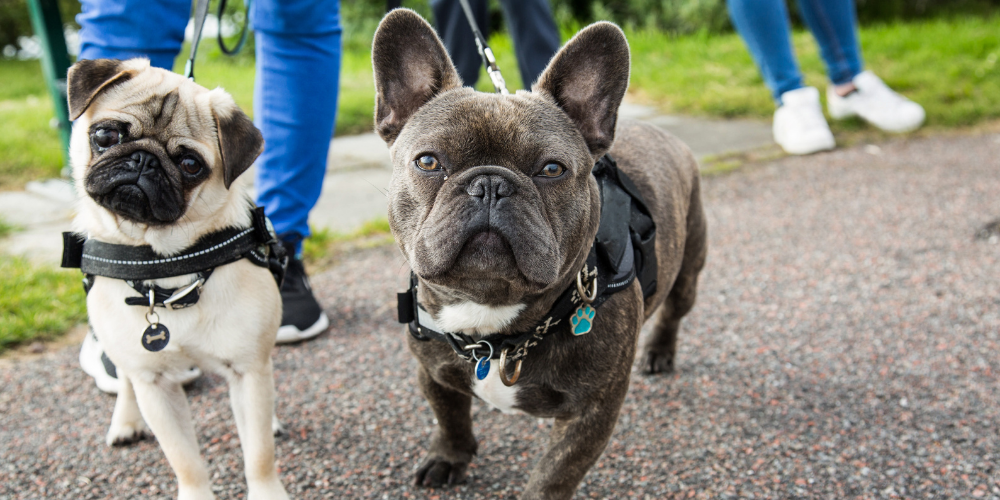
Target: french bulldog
point(494, 206)
point(156, 160)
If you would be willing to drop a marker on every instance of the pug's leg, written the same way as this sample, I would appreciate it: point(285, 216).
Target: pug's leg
point(252, 396)
point(127, 425)
point(165, 408)
point(575, 444)
point(453, 444)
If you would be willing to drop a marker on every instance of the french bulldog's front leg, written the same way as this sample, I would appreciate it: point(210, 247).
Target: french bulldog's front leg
point(127, 425)
point(165, 408)
point(575, 444)
point(252, 396)
point(453, 444)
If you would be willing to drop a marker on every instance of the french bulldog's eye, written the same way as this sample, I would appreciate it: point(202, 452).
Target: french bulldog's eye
point(552, 170)
point(104, 138)
point(428, 163)
point(190, 165)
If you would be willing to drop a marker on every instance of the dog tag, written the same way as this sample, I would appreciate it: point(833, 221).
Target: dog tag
point(583, 319)
point(482, 368)
point(155, 337)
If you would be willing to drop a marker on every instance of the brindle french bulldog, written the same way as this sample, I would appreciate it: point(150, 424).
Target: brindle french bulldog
point(494, 205)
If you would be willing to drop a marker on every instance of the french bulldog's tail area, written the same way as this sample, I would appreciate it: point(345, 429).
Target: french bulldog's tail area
point(661, 346)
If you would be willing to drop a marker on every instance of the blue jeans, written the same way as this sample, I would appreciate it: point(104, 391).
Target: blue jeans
point(295, 92)
point(766, 29)
point(531, 25)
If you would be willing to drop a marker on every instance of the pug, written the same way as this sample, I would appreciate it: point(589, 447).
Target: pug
point(533, 272)
point(156, 160)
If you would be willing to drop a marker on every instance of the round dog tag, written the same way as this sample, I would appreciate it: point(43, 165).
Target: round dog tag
point(155, 337)
point(482, 368)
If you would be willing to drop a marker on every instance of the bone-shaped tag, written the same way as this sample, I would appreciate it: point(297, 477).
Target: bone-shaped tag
point(155, 337)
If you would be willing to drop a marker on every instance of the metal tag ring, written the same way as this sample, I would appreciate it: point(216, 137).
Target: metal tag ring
point(503, 369)
point(582, 290)
point(155, 321)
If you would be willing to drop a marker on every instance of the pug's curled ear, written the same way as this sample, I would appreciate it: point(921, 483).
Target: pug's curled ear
point(89, 77)
point(411, 66)
point(240, 142)
point(588, 78)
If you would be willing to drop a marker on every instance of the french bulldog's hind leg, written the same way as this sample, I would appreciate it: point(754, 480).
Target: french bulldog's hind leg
point(165, 408)
point(127, 425)
point(453, 445)
point(661, 346)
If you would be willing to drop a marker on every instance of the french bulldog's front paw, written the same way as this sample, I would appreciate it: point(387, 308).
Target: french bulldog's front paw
point(658, 362)
point(439, 472)
point(276, 427)
point(126, 434)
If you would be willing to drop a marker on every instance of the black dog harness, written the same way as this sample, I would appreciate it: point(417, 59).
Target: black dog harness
point(137, 264)
point(623, 251)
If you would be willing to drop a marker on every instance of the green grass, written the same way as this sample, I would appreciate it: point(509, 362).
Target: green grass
point(37, 303)
point(322, 246)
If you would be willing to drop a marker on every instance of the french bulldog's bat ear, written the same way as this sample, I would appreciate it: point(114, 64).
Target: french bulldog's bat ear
point(587, 78)
point(411, 66)
point(240, 143)
point(89, 77)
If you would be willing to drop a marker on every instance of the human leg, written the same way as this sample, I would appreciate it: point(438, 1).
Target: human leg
point(766, 30)
point(833, 24)
point(295, 103)
point(455, 32)
point(120, 29)
point(536, 37)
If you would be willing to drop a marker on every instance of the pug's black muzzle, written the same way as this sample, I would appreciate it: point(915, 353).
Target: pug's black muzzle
point(139, 185)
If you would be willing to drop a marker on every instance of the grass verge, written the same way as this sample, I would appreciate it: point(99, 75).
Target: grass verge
point(322, 248)
point(37, 303)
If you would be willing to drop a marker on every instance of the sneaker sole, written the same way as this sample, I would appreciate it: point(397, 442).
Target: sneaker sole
point(290, 333)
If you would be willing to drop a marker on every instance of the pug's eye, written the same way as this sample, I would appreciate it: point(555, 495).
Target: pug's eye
point(551, 170)
point(428, 163)
point(190, 165)
point(104, 138)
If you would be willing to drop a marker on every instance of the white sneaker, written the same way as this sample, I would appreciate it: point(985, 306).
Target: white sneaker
point(95, 363)
point(799, 126)
point(877, 104)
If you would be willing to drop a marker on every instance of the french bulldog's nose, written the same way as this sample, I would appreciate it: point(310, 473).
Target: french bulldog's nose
point(490, 189)
point(144, 160)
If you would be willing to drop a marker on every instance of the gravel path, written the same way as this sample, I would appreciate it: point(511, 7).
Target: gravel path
point(845, 345)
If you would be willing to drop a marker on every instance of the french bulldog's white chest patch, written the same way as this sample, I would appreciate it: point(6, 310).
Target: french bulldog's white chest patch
point(471, 318)
point(492, 390)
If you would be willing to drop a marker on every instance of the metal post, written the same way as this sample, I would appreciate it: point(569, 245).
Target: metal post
point(47, 22)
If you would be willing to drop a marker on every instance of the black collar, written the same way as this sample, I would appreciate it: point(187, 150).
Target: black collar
point(137, 264)
point(623, 250)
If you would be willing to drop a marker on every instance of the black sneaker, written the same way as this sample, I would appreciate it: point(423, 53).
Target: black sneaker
point(302, 318)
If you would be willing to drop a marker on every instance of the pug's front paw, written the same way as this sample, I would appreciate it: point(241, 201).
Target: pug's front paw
point(123, 434)
point(439, 472)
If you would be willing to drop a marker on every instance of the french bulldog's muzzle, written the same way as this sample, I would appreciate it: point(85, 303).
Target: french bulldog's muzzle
point(139, 182)
point(488, 224)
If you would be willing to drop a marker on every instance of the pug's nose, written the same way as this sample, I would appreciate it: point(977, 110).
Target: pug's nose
point(144, 160)
point(490, 189)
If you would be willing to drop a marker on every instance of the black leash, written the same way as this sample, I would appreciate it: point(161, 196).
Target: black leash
point(484, 51)
point(200, 14)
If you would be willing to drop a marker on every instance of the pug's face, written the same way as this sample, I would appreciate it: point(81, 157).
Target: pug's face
point(150, 146)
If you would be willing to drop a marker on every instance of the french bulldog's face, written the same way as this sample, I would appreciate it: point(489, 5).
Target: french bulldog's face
point(492, 195)
point(150, 145)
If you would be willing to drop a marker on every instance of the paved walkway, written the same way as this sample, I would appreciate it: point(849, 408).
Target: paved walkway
point(358, 170)
point(844, 345)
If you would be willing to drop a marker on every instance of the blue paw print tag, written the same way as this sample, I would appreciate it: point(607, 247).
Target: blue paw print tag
point(583, 319)
point(482, 368)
